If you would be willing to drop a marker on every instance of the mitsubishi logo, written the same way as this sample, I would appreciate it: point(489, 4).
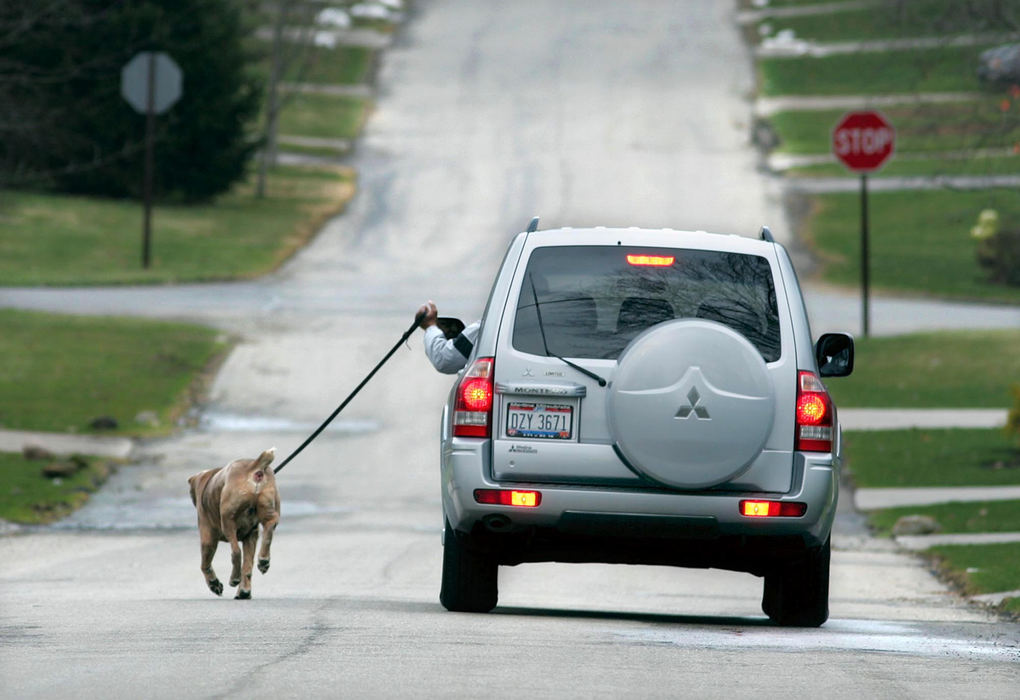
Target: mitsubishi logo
point(700, 411)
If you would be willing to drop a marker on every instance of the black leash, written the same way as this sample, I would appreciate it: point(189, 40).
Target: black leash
point(403, 339)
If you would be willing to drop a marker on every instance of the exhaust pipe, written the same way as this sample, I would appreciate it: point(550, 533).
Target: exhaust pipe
point(497, 522)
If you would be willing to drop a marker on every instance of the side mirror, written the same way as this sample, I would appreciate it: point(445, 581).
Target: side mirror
point(834, 353)
point(451, 327)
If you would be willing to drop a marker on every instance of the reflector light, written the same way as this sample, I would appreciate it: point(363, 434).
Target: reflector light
point(499, 497)
point(472, 414)
point(651, 260)
point(772, 509)
point(755, 509)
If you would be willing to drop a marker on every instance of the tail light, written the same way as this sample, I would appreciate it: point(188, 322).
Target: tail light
point(472, 413)
point(814, 414)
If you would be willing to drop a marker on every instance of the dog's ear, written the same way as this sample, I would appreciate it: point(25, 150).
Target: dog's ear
point(191, 484)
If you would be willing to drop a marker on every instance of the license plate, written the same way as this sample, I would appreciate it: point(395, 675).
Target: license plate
point(545, 421)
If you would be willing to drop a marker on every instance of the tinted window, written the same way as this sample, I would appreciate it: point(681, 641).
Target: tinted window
point(592, 301)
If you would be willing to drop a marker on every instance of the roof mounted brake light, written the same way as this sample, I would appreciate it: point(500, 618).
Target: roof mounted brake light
point(651, 260)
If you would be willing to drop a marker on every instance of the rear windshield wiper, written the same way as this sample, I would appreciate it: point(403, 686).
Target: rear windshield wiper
point(541, 330)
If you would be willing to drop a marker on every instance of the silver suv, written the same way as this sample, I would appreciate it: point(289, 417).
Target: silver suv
point(645, 397)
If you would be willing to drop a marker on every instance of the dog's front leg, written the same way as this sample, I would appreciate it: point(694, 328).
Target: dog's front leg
point(244, 591)
point(268, 528)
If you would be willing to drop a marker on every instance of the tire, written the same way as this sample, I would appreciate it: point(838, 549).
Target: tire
point(469, 576)
point(798, 594)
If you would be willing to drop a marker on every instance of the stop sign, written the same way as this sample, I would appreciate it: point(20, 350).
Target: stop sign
point(863, 140)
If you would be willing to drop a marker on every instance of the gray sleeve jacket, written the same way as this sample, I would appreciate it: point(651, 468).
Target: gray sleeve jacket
point(450, 356)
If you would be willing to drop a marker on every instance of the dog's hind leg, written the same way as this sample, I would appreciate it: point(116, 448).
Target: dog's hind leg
point(229, 527)
point(268, 528)
point(244, 591)
point(209, 543)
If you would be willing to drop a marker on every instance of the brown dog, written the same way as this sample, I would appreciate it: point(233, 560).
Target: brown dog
point(231, 502)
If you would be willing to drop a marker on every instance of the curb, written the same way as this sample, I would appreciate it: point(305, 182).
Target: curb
point(921, 542)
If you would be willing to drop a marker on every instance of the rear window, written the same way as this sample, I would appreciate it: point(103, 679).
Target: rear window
point(593, 300)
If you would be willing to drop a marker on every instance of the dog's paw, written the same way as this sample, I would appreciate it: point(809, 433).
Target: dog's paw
point(242, 595)
point(235, 581)
point(263, 565)
point(216, 587)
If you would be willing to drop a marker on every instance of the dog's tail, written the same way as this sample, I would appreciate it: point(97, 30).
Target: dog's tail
point(266, 458)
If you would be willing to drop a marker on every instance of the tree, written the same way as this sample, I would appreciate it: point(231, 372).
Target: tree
point(289, 53)
point(62, 62)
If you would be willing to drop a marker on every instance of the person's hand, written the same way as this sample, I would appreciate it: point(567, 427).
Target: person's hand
point(429, 314)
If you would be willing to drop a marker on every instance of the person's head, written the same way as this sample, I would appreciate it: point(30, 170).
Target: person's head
point(451, 327)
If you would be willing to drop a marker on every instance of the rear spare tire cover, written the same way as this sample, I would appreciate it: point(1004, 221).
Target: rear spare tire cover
point(691, 404)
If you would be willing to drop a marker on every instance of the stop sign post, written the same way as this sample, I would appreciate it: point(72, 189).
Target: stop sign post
point(151, 83)
point(863, 142)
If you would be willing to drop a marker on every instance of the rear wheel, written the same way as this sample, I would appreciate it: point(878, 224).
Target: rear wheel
point(469, 576)
point(797, 595)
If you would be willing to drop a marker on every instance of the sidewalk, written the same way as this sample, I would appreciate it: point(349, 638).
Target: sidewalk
point(781, 47)
point(920, 542)
point(67, 444)
point(873, 499)
point(826, 185)
point(902, 419)
point(767, 106)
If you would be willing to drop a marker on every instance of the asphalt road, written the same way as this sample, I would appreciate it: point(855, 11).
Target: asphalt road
point(615, 113)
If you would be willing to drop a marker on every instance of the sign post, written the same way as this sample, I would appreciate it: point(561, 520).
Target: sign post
point(151, 83)
point(863, 141)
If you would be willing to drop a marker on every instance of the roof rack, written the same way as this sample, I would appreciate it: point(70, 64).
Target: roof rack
point(766, 234)
point(533, 226)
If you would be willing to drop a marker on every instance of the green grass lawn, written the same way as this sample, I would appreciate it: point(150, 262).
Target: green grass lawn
point(950, 457)
point(986, 568)
point(61, 372)
point(920, 241)
point(982, 516)
point(51, 239)
point(323, 116)
point(925, 128)
point(28, 497)
point(948, 69)
point(973, 369)
point(916, 18)
point(342, 65)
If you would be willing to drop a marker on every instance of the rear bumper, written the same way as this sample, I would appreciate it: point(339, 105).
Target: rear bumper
point(624, 525)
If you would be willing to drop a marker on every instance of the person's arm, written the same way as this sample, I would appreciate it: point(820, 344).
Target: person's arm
point(442, 353)
point(446, 355)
